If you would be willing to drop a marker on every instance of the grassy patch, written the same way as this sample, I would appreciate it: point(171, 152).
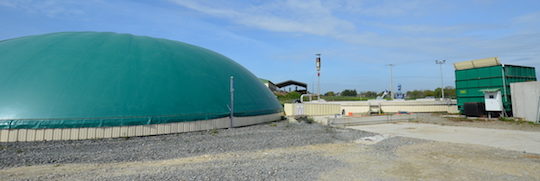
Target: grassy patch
point(460, 119)
point(502, 119)
point(213, 132)
point(517, 121)
point(505, 119)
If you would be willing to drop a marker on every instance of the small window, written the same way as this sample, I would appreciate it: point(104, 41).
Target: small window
point(491, 96)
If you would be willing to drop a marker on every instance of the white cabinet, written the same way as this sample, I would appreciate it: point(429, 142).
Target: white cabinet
point(493, 101)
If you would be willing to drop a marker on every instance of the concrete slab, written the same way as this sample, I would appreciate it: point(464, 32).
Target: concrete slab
point(505, 139)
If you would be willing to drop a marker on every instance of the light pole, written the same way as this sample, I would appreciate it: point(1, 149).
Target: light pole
point(391, 81)
point(441, 62)
point(318, 64)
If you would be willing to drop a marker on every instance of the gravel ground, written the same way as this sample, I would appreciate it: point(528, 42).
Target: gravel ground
point(185, 145)
point(273, 151)
point(400, 158)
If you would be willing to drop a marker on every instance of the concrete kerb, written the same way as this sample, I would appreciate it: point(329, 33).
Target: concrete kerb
point(341, 121)
point(323, 120)
point(365, 120)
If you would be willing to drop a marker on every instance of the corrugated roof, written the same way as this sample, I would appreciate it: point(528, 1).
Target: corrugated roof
point(485, 62)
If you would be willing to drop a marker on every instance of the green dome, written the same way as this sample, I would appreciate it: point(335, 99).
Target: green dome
point(91, 79)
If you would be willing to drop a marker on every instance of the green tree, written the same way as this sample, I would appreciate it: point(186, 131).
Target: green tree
point(429, 93)
point(330, 93)
point(289, 97)
point(368, 94)
point(415, 94)
point(293, 95)
point(449, 92)
point(348, 92)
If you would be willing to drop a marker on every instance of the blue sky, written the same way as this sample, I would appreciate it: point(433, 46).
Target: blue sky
point(277, 40)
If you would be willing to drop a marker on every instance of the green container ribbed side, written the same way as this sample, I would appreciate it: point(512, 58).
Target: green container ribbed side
point(470, 82)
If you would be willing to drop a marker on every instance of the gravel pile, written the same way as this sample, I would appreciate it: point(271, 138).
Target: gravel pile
point(252, 138)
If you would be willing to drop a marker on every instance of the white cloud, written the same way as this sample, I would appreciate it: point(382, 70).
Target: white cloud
point(382, 8)
point(50, 8)
point(530, 22)
point(433, 29)
point(281, 16)
point(317, 18)
point(528, 18)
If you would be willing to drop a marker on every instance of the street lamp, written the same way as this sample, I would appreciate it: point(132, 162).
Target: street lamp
point(441, 62)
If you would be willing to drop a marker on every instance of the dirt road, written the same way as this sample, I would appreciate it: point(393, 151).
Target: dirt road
point(527, 141)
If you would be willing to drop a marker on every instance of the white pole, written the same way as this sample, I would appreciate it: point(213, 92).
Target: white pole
point(442, 82)
point(232, 101)
point(391, 81)
point(441, 62)
point(318, 87)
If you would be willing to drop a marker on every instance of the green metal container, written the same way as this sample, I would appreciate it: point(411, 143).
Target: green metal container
point(470, 82)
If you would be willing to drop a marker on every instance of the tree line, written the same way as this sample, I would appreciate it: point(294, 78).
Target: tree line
point(449, 92)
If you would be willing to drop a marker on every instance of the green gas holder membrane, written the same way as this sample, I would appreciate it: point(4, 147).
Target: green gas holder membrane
point(93, 79)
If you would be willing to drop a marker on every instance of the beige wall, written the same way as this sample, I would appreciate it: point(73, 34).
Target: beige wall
point(355, 108)
point(314, 109)
point(14, 135)
point(288, 109)
point(321, 109)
